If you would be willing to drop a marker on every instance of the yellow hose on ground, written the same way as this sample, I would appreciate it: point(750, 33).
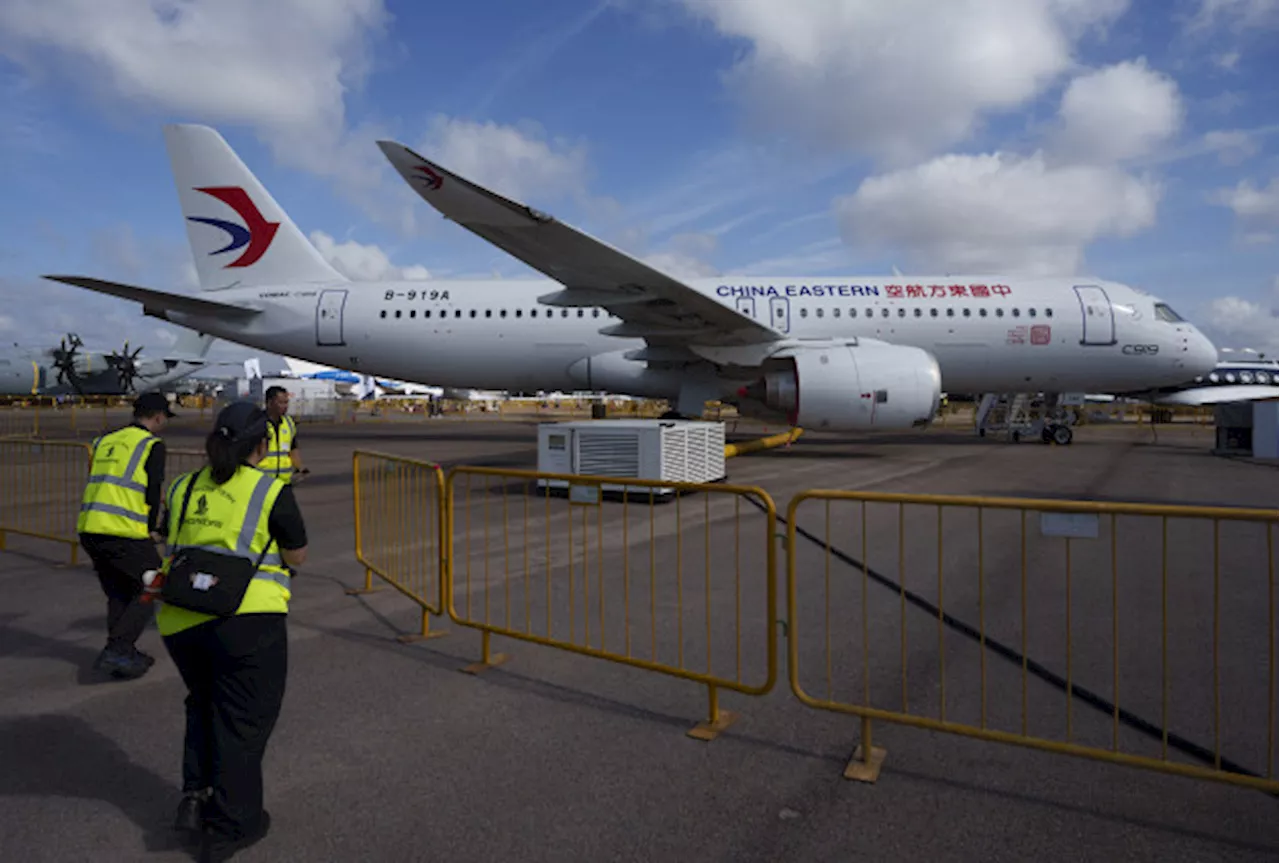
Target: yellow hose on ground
point(770, 442)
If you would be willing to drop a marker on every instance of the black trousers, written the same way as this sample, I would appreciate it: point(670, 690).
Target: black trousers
point(120, 563)
point(235, 670)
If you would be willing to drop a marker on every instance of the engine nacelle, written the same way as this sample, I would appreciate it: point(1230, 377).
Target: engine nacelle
point(850, 388)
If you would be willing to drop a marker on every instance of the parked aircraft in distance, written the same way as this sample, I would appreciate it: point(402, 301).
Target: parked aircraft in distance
point(833, 353)
point(70, 369)
point(1230, 381)
point(366, 386)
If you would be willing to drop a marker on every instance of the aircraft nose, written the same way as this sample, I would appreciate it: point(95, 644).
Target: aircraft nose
point(1201, 353)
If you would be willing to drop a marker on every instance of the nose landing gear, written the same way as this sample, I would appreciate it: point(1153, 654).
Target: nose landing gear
point(1054, 433)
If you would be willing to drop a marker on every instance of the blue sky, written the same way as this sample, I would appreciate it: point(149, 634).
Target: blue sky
point(1127, 139)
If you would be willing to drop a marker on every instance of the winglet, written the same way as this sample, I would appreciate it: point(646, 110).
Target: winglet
point(456, 197)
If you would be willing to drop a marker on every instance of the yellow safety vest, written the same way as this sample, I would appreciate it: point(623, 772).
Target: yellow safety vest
point(279, 442)
point(229, 519)
point(114, 502)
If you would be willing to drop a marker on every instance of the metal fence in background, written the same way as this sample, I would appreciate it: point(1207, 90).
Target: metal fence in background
point(1127, 649)
point(677, 578)
point(41, 483)
point(399, 521)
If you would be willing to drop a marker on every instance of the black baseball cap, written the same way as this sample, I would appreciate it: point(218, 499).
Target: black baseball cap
point(241, 421)
point(152, 403)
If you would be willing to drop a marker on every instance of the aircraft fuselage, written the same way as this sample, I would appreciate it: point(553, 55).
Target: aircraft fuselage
point(1051, 335)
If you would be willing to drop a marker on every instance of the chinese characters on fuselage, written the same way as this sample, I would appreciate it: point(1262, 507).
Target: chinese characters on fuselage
point(893, 292)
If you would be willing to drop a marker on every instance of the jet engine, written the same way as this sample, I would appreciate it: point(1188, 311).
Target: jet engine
point(851, 387)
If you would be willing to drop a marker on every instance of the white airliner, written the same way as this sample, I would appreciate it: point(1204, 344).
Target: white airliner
point(834, 353)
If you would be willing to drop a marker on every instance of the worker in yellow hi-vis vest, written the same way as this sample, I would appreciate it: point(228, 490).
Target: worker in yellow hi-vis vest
point(283, 460)
point(119, 525)
point(223, 622)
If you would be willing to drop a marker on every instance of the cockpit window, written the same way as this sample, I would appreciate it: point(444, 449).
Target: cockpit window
point(1164, 313)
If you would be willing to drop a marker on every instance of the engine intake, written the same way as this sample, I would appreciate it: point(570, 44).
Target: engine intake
point(851, 388)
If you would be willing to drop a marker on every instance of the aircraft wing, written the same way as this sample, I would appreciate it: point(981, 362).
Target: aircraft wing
point(652, 305)
point(156, 302)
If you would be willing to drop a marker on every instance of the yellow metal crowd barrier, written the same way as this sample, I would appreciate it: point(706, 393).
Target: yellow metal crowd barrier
point(41, 483)
point(1099, 595)
point(1041, 623)
point(633, 583)
point(399, 521)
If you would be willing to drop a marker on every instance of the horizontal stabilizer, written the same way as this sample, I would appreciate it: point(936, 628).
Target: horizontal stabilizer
point(158, 301)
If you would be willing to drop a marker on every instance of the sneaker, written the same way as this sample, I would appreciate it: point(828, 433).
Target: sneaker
point(217, 849)
point(190, 815)
point(121, 666)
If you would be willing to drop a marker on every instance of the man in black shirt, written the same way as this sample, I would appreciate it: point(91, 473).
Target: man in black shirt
point(111, 528)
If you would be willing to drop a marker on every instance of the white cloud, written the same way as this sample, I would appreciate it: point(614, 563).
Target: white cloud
point(687, 256)
point(516, 162)
point(1233, 146)
point(1237, 323)
point(996, 212)
point(283, 68)
point(1117, 113)
point(1235, 14)
point(224, 59)
point(1227, 61)
point(363, 262)
point(1257, 209)
point(898, 80)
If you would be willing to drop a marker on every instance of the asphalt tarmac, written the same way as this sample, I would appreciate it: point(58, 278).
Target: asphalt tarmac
point(385, 751)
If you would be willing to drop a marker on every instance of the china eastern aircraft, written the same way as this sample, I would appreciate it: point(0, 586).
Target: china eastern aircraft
point(823, 353)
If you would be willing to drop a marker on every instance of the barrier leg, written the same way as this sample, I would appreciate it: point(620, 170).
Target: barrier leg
point(865, 765)
point(487, 661)
point(368, 586)
point(718, 720)
point(427, 631)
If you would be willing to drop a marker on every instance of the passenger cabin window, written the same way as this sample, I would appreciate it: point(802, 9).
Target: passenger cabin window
point(1164, 313)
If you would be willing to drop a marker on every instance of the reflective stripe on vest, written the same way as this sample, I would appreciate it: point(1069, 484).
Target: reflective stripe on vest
point(114, 501)
point(232, 519)
point(280, 440)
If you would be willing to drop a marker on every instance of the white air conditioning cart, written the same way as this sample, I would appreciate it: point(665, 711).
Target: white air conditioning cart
point(663, 450)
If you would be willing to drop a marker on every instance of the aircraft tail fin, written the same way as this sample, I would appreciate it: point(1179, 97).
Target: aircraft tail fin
point(239, 235)
point(191, 346)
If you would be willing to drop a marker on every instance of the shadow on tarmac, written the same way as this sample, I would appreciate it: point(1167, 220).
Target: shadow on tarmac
point(63, 756)
point(511, 680)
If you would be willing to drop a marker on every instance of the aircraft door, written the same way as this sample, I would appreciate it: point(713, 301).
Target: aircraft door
point(1098, 316)
point(780, 314)
point(329, 317)
point(747, 305)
